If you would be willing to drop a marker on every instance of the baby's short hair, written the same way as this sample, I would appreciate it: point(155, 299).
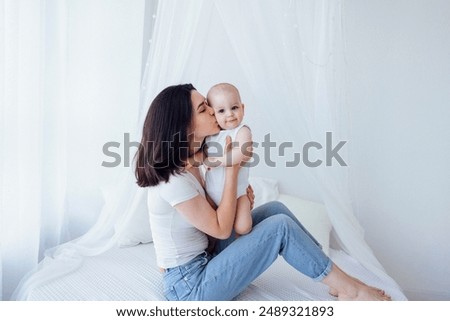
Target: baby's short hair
point(223, 87)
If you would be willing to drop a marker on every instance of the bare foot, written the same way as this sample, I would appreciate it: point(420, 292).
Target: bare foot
point(364, 293)
point(346, 287)
point(333, 292)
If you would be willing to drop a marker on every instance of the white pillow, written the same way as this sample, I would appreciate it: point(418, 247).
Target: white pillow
point(135, 227)
point(265, 189)
point(313, 217)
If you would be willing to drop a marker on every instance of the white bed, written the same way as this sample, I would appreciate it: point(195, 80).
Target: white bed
point(123, 274)
point(128, 271)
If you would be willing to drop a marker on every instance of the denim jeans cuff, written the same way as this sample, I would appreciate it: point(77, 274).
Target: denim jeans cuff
point(325, 272)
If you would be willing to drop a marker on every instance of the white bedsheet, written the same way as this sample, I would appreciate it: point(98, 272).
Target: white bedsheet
point(130, 274)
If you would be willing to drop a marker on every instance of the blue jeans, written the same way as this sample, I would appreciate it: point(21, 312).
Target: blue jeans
point(237, 262)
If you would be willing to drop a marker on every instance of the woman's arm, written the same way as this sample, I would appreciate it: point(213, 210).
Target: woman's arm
point(217, 223)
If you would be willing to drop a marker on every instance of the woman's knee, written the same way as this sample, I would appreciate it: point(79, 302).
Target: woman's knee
point(278, 207)
point(280, 222)
point(269, 209)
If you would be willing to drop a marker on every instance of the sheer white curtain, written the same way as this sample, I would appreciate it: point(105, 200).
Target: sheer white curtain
point(170, 48)
point(33, 156)
point(61, 76)
point(293, 50)
point(290, 55)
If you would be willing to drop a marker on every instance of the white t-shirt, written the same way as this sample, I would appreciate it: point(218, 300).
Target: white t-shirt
point(176, 240)
point(215, 177)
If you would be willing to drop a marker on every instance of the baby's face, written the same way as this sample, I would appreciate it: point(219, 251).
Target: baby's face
point(228, 109)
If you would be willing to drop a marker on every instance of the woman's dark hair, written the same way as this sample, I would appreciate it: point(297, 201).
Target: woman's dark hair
point(164, 147)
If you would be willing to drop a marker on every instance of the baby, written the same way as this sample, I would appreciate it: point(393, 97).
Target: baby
point(224, 98)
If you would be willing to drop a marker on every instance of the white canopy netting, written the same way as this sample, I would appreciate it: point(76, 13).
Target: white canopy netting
point(287, 57)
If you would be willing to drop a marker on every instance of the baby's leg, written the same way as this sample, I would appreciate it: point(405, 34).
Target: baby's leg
point(243, 220)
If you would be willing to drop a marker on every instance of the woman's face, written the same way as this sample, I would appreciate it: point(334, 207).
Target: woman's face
point(204, 122)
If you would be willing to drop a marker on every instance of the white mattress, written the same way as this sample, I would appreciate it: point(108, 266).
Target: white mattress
point(131, 274)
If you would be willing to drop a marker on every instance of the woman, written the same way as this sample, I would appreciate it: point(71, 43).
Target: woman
point(181, 217)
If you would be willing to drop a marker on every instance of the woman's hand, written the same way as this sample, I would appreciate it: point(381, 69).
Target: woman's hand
point(227, 151)
point(247, 152)
point(234, 168)
point(251, 196)
point(238, 152)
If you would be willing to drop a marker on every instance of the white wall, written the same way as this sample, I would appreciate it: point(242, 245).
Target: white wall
point(398, 89)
